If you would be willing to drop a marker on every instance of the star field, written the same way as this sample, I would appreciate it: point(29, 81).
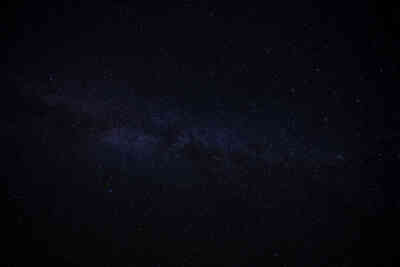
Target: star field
point(198, 135)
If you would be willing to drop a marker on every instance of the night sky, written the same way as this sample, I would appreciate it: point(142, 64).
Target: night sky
point(200, 134)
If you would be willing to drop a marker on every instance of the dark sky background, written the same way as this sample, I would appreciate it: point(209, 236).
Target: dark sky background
point(325, 74)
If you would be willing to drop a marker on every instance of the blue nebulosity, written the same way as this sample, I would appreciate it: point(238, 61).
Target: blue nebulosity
point(154, 133)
